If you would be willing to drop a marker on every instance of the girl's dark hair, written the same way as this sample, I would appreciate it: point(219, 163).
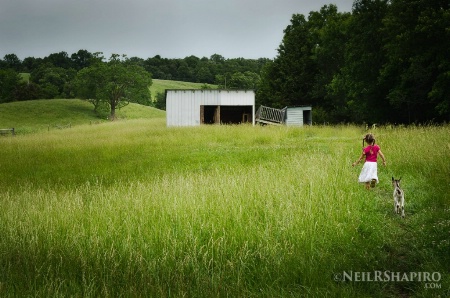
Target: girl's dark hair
point(370, 139)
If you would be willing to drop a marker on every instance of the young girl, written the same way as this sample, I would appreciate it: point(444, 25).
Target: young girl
point(369, 174)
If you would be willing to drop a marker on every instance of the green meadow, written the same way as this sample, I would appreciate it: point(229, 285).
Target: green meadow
point(48, 115)
point(133, 208)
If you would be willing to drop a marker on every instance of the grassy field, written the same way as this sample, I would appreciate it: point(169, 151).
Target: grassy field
point(132, 208)
point(25, 76)
point(46, 115)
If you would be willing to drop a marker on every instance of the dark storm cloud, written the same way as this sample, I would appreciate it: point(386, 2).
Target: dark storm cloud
point(143, 28)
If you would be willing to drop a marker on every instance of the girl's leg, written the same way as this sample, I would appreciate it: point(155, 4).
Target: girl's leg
point(367, 185)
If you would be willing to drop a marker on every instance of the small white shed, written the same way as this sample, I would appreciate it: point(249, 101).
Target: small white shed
point(192, 107)
point(298, 116)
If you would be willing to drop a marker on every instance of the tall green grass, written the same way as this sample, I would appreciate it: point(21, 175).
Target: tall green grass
point(134, 208)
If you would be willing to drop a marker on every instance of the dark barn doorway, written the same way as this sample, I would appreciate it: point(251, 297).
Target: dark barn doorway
point(208, 114)
point(226, 114)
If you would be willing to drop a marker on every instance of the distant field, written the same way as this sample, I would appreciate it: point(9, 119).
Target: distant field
point(158, 85)
point(25, 76)
point(48, 114)
point(162, 85)
point(38, 115)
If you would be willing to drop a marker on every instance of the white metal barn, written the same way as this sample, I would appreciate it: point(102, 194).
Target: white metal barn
point(192, 107)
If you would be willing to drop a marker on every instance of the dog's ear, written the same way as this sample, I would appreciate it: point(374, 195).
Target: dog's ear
point(399, 179)
point(392, 178)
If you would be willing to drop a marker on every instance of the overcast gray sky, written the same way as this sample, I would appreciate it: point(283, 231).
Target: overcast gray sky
point(145, 28)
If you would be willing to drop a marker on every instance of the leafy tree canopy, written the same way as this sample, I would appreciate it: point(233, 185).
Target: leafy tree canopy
point(387, 61)
point(114, 83)
point(9, 81)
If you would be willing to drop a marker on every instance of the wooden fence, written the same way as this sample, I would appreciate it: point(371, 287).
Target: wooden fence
point(269, 115)
point(7, 131)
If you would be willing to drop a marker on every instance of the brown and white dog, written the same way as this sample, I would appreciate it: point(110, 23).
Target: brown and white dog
point(399, 197)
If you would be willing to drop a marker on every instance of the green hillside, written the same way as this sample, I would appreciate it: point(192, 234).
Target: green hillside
point(159, 86)
point(25, 76)
point(47, 114)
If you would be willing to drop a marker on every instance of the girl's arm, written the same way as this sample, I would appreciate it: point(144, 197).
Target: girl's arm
point(382, 157)
point(357, 162)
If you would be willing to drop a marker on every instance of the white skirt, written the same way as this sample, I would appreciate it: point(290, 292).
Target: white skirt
point(368, 172)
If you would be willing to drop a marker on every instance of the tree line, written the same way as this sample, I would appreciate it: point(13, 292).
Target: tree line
point(52, 76)
point(386, 61)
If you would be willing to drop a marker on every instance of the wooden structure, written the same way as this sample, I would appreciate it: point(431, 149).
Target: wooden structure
point(290, 116)
point(192, 107)
point(7, 131)
point(267, 115)
point(298, 116)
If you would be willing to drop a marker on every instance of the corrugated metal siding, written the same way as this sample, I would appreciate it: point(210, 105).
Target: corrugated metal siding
point(294, 116)
point(179, 111)
point(237, 98)
point(183, 106)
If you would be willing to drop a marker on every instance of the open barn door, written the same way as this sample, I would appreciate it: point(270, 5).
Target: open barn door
point(226, 114)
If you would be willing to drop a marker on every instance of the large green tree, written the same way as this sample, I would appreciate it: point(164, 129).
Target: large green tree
point(330, 31)
point(357, 79)
point(310, 54)
point(114, 83)
point(295, 60)
point(286, 80)
point(387, 61)
point(269, 90)
point(417, 70)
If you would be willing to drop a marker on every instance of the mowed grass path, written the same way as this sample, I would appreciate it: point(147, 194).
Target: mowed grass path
point(136, 209)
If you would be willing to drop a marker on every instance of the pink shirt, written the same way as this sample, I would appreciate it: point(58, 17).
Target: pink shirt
point(371, 157)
